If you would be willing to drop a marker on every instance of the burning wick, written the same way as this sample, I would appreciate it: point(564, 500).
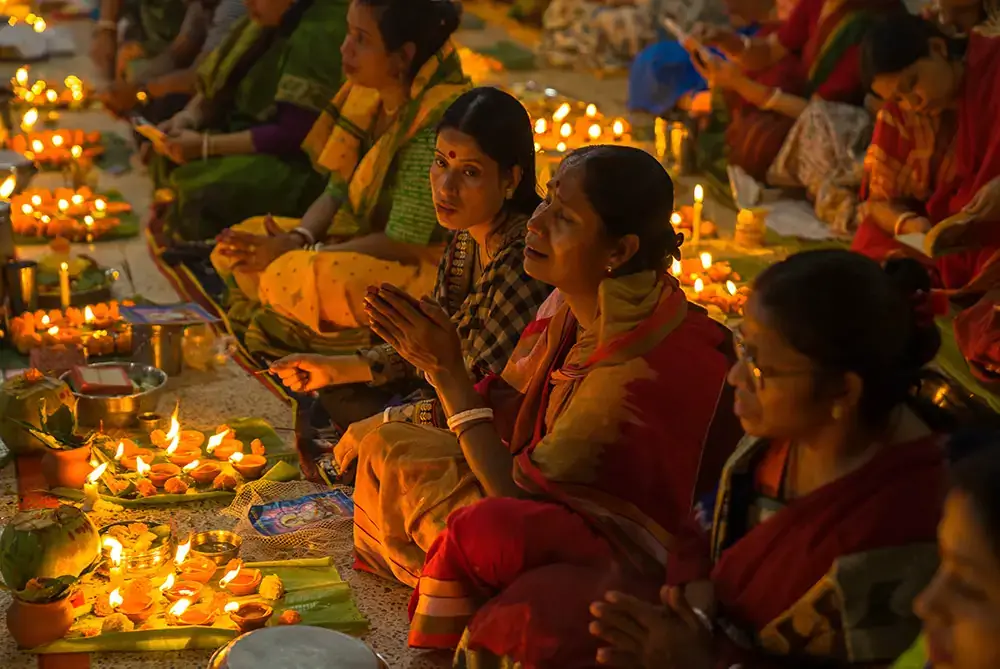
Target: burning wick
point(191, 466)
point(180, 607)
point(77, 198)
point(37, 146)
point(594, 131)
point(236, 457)
point(100, 205)
point(54, 330)
point(618, 128)
point(541, 125)
point(230, 575)
point(182, 552)
point(88, 317)
point(8, 187)
point(174, 443)
point(115, 549)
point(167, 584)
point(175, 428)
point(21, 76)
point(26, 209)
point(76, 151)
point(115, 599)
point(675, 219)
point(591, 110)
point(731, 287)
point(232, 607)
point(97, 473)
point(675, 267)
point(36, 200)
point(30, 118)
point(215, 440)
point(141, 468)
point(566, 130)
point(561, 113)
point(699, 285)
point(57, 140)
point(121, 450)
point(706, 260)
point(46, 320)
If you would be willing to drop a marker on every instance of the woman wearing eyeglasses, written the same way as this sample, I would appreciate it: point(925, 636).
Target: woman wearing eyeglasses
point(823, 529)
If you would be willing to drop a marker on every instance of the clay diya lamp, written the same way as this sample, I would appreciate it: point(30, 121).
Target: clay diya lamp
point(197, 615)
point(138, 608)
point(191, 440)
point(129, 461)
point(198, 569)
point(245, 583)
point(183, 457)
point(250, 466)
point(225, 450)
point(251, 616)
point(206, 472)
point(184, 590)
point(159, 474)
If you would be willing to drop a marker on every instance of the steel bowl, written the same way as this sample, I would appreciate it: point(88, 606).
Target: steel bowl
point(206, 545)
point(121, 411)
point(23, 169)
point(295, 647)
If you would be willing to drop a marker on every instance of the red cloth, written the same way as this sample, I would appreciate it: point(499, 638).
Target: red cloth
point(977, 332)
point(894, 500)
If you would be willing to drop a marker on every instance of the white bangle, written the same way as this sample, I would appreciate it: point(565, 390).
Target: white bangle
point(773, 100)
point(308, 236)
point(465, 417)
point(204, 146)
point(385, 415)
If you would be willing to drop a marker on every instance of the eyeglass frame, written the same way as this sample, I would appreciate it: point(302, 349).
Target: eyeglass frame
point(757, 373)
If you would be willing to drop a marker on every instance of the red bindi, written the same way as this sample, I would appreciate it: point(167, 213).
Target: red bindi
point(451, 154)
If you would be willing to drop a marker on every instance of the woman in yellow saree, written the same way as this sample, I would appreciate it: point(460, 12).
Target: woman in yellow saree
point(298, 285)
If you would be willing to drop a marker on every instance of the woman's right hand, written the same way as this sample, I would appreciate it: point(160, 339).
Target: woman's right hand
point(182, 120)
point(308, 372)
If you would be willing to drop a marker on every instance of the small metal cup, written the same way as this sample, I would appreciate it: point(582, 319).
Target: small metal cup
point(150, 421)
point(159, 346)
point(20, 277)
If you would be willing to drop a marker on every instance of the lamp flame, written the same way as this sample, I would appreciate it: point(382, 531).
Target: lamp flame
point(57, 140)
point(141, 468)
point(182, 551)
point(46, 320)
point(115, 599)
point(97, 473)
point(699, 194)
point(675, 267)
point(115, 549)
point(191, 466)
point(561, 147)
point(167, 584)
point(591, 110)
point(26, 209)
point(541, 125)
point(175, 428)
point(699, 285)
point(215, 440)
point(63, 205)
point(618, 127)
point(230, 575)
point(174, 443)
point(21, 76)
point(8, 187)
point(121, 450)
point(88, 314)
point(37, 146)
point(565, 130)
point(231, 607)
point(51, 95)
point(76, 151)
point(675, 219)
point(731, 287)
point(594, 131)
point(30, 118)
point(179, 607)
point(236, 457)
point(54, 330)
point(561, 113)
point(100, 205)
point(706, 260)
point(39, 25)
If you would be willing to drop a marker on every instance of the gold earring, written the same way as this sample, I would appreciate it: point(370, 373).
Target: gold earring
point(610, 270)
point(837, 412)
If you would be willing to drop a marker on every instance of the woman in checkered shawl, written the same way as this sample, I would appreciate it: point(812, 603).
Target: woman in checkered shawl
point(483, 180)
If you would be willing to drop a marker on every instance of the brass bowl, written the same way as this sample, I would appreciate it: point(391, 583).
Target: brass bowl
point(121, 411)
point(210, 544)
point(148, 561)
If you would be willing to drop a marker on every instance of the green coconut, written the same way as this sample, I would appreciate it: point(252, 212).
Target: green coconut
point(47, 544)
point(21, 400)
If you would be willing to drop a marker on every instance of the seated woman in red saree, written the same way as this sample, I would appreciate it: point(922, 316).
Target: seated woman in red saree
point(812, 55)
point(824, 525)
point(609, 419)
point(936, 149)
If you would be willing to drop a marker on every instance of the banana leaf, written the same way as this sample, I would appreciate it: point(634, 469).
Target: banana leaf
point(282, 471)
point(313, 588)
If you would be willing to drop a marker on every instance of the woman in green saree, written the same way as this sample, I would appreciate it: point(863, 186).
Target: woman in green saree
point(233, 151)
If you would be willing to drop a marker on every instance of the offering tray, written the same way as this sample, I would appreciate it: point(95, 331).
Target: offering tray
point(139, 562)
point(312, 587)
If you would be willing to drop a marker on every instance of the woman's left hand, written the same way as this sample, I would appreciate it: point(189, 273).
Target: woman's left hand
point(650, 636)
point(718, 72)
point(420, 331)
point(985, 204)
point(184, 146)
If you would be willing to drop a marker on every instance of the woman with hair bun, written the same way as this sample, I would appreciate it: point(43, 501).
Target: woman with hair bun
point(298, 285)
point(825, 521)
point(584, 456)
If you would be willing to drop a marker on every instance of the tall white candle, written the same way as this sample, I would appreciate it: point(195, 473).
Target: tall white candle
point(699, 203)
point(64, 294)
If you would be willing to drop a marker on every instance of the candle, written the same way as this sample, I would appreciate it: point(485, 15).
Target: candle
point(64, 294)
point(90, 487)
point(699, 203)
point(115, 550)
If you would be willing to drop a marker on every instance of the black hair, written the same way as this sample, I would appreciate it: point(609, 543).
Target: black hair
point(502, 128)
point(848, 314)
point(633, 195)
point(897, 41)
point(220, 105)
point(426, 23)
point(978, 477)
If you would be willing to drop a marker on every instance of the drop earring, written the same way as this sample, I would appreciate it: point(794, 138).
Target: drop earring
point(610, 270)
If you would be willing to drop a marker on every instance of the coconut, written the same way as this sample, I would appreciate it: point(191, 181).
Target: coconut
point(47, 543)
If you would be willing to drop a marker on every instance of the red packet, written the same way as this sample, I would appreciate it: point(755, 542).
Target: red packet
point(103, 380)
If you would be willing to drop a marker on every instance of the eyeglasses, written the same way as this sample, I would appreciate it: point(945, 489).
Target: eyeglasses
point(758, 373)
